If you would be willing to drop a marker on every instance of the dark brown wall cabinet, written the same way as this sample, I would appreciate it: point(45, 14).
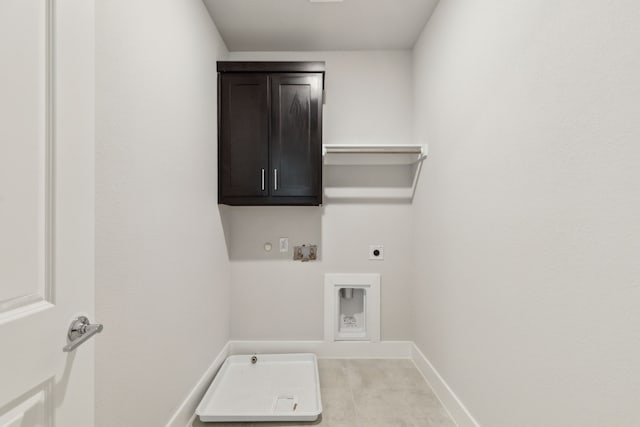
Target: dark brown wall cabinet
point(270, 133)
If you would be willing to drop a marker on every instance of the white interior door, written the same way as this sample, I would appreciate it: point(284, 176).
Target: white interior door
point(46, 210)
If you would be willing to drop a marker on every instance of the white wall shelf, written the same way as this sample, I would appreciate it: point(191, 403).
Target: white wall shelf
point(372, 172)
point(357, 154)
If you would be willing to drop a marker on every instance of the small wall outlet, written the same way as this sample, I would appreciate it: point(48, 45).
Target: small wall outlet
point(284, 244)
point(376, 252)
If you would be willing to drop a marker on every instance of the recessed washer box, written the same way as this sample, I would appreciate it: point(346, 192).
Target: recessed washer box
point(277, 387)
point(352, 307)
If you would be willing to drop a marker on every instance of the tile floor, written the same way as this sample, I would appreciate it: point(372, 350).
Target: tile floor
point(370, 393)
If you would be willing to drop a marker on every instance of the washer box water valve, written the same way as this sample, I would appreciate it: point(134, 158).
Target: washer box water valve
point(305, 253)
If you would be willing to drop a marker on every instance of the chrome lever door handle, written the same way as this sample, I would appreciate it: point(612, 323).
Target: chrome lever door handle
point(79, 332)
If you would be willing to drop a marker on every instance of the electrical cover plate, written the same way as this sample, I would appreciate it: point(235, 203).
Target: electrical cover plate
point(376, 252)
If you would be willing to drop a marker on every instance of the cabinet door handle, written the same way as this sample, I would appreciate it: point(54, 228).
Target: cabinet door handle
point(262, 179)
point(275, 179)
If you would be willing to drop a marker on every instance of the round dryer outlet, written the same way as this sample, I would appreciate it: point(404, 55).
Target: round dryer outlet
point(376, 252)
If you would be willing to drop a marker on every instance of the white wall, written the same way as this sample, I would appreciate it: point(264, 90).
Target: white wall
point(527, 248)
point(368, 101)
point(162, 271)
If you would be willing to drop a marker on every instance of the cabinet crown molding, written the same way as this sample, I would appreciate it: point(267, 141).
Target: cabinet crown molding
point(271, 67)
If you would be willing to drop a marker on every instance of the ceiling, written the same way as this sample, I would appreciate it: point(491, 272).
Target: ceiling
point(300, 25)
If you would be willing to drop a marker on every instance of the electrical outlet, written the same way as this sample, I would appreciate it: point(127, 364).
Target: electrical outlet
point(284, 244)
point(376, 252)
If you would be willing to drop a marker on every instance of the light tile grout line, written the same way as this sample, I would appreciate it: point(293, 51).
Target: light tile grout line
point(353, 398)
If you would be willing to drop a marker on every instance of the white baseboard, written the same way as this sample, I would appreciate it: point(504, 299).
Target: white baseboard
point(328, 350)
point(449, 399)
point(185, 413)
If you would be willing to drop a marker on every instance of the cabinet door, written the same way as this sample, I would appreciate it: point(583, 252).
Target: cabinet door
point(243, 156)
point(296, 135)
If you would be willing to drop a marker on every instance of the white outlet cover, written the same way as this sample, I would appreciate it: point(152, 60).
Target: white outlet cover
point(372, 249)
point(284, 244)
